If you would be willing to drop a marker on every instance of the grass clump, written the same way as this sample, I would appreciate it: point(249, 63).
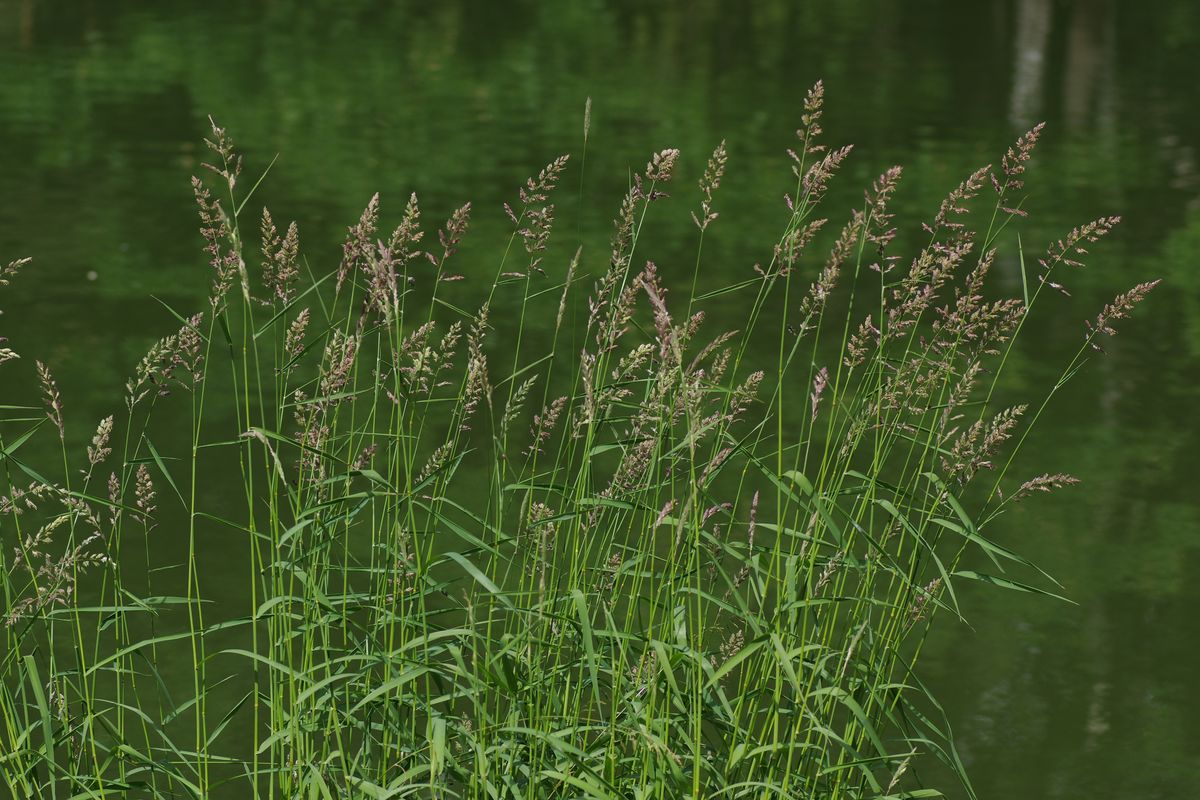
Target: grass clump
point(630, 557)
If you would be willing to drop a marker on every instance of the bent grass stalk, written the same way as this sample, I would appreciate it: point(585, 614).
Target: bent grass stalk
point(670, 589)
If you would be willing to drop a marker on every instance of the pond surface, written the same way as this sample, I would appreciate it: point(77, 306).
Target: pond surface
point(103, 106)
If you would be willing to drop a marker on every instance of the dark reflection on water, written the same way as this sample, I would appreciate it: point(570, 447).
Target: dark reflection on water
point(102, 105)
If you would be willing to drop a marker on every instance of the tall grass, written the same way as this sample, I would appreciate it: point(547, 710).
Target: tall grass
point(634, 558)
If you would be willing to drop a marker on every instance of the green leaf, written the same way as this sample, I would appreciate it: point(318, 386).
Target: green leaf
point(1004, 583)
point(481, 579)
point(162, 467)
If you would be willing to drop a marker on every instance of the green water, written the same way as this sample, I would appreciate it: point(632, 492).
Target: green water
point(103, 106)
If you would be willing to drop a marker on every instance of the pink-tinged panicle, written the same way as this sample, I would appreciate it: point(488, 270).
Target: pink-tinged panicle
point(664, 512)
point(189, 346)
point(537, 190)
point(10, 270)
point(974, 448)
point(536, 234)
point(562, 301)
point(715, 371)
point(586, 413)
point(174, 357)
point(597, 404)
point(53, 399)
point(365, 457)
point(744, 395)
point(732, 645)
point(54, 580)
point(973, 287)
point(419, 363)
point(972, 326)
point(657, 171)
point(814, 302)
point(539, 526)
point(879, 219)
point(662, 166)
point(536, 218)
point(114, 498)
point(917, 291)
point(280, 255)
point(231, 162)
point(99, 450)
point(7, 272)
point(810, 127)
point(446, 349)
point(337, 364)
point(879, 230)
point(861, 343)
point(312, 435)
point(214, 228)
point(668, 345)
point(753, 526)
point(358, 242)
point(793, 244)
point(405, 240)
point(477, 386)
point(215, 225)
point(1119, 308)
point(212, 220)
point(22, 500)
point(954, 206)
point(144, 494)
point(1065, 250)
point(820, 381)
point(381, 264)
point(150, 373)
point(415, 360)
point(622, 240)
point(960, 393)
point(1045, 483)
point(816, 180)
point(612, 569)
point(620, 313)
point(453, 233)
point(270, 245)
point(294, 341)
point(383, 291)
point(814, 101)
point(514, 406)
point(437, 460)
point(1015, 159)
point(537, 515)
point(269, 235)
point(924, 596)
point(712, 511)
point(831, 568)
point(709, 183)
point(544, 423)
point(635, 460)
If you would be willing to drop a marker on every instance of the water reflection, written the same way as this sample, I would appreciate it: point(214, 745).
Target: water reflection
point(1086, 70)
point(1090, 65)
point(101, 107)
point(1029, 60)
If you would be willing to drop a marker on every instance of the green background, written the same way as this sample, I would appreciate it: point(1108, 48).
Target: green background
point(103, 106)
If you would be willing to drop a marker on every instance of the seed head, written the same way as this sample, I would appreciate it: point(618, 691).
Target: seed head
point(1120, 308)
point(99, 450)
point(52, 398)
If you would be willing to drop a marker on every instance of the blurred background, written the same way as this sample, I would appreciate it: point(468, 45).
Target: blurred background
point(104, 103)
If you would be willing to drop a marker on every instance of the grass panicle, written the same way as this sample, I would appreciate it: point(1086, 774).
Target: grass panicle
point(499, 555)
